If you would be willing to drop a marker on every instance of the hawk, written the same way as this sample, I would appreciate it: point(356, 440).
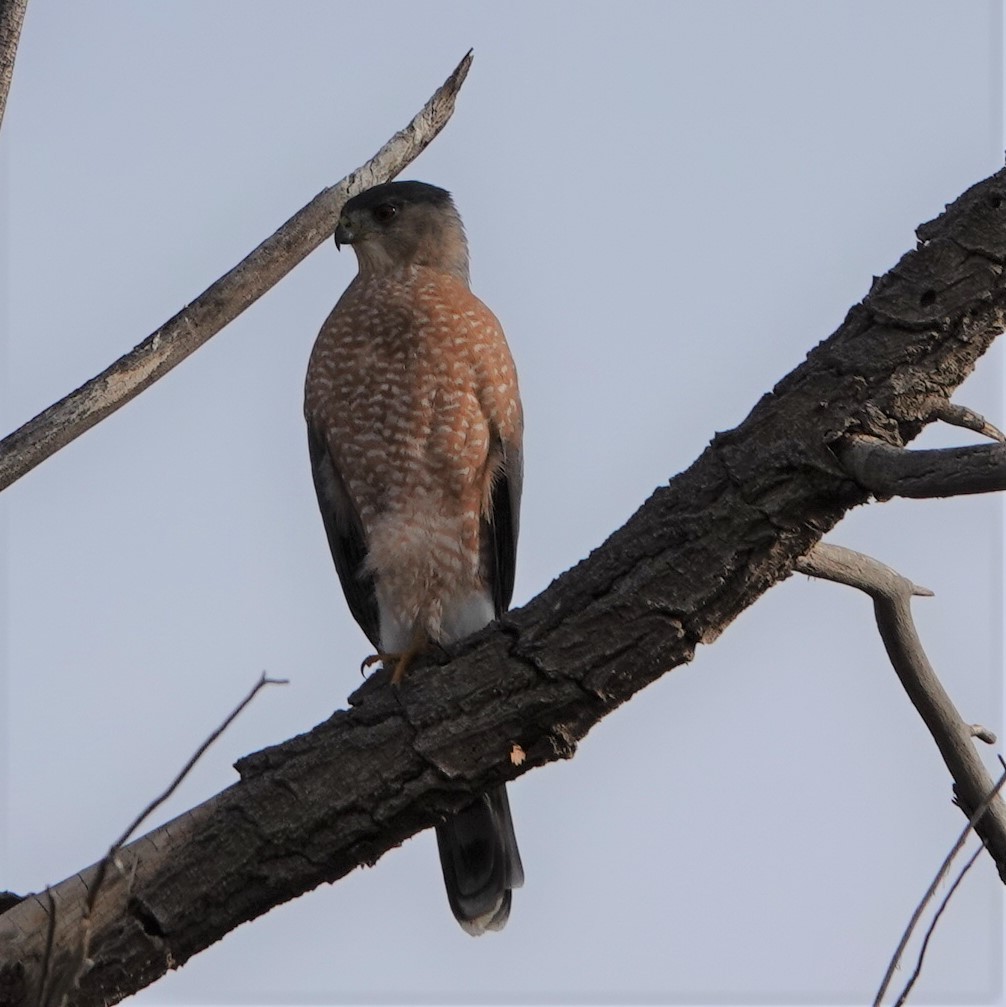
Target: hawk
point(414, 427)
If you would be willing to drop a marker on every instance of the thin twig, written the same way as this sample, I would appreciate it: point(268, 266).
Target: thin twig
point(892, 594)
point(930, 891)
point(11, 19)
point(889, 471)
point(99, 877)
point(224, 300)
point(968, 419)
point(113, 850)
point(74, 967)
point(932, 926)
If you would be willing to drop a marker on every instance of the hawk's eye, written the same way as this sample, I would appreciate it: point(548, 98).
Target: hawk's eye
point(385, 212)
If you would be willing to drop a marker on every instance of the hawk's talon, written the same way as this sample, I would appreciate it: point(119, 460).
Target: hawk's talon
point(401, 660)
point(373, 659)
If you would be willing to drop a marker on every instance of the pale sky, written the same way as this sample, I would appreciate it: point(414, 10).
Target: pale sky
point(668, 205)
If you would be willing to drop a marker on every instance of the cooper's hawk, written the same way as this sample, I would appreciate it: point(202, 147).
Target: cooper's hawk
point(414, 425)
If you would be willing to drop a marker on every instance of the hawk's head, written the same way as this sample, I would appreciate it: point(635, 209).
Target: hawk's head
point(401, 224)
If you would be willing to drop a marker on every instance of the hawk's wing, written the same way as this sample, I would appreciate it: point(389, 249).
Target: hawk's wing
point(345, 536)
point(504, 522)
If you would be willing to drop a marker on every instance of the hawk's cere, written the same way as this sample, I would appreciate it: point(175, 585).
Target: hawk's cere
point(414, 425)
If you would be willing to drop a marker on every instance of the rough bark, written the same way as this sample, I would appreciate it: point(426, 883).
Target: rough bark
point(521, 694)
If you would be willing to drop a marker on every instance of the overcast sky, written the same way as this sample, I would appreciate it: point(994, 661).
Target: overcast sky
point(668, 205)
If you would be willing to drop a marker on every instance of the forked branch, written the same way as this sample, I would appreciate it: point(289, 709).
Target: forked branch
point(892, 594)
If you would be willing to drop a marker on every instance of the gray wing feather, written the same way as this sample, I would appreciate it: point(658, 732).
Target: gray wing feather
point(504, 524)
point(346, 537)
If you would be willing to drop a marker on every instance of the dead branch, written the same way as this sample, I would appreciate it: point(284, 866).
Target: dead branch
point(11, 19)
point(892, 594)
point(960, 416)
point(60, 977)
point(890, 471)
point(944, 902)
point(109, 857)
point(987, 801)
point(224, 300)
point(697, 553)
point(103, 866)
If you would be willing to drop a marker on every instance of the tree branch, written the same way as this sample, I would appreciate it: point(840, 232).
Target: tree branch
point(61, 973)
point(224, 300)
point(11, 19)
point(945, 901)
point(153, 805)
point(696, 554)
point(888, 471)
point(960, 416)
point(892, 594)
point(992, 795)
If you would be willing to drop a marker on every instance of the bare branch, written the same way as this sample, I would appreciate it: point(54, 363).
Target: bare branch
point(891, 594)
point(990, 798)
point(222, 302)
point(11, 19)
point(60, 974)
point(104, 864)
point(889, 471)
point(856, 569)
point(932, 927)
point(968, 419)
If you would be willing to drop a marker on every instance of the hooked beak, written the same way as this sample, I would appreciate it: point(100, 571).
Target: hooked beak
point(343, 233)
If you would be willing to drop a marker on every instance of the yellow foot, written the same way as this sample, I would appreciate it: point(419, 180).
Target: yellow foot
point(402, 660)
point(402, 666)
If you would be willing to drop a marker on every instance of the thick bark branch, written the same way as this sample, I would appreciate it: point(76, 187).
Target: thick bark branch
point(892, 596)
point(890, 471)
point(697, 553)
point(222, 302)
point(11, 19)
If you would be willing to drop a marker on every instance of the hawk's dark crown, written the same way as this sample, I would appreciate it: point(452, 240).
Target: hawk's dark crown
point(400, 194)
